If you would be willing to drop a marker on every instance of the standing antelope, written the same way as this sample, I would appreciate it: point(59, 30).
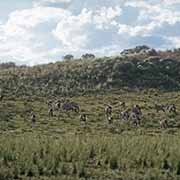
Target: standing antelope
point(172, 108)
point(137, 110)
point(83, 118)
point(163, 124)
point(58, 104)
point(110, 119)
point(108, 111)
point(50, 103)
point(135, 118)
point(33, 118)
point(50, 112)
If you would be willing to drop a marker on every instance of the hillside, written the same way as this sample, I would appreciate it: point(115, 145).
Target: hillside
point(131, 69)
point(62, 146)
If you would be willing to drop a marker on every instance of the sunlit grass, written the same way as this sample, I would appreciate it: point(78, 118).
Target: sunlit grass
point(62, 147)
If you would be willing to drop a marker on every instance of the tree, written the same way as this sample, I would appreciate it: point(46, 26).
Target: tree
point(7, 65)
point(88, 56)
point(68, 57)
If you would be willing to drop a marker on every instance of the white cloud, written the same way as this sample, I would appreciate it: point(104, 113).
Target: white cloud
point(48, 30)
point(57, 1)
point(168, 17)
point(145, 5)
point(50, 2)
point(30, 18)
point(21, 24)
point(103, 17)
point(18, 38)
point(143, 30)
point(151, 17)
point(159, 12)
point(20, 52)
point(173, 41)
point(70, 31)
point(171, 2)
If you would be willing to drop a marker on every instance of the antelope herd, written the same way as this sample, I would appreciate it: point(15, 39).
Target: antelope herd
point(132, 114)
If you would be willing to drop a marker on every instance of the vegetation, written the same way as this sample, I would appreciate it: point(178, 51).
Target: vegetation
point(88, 56)
point(62, 147)
point(79, 76)
point(68, 57)
point(116, 157)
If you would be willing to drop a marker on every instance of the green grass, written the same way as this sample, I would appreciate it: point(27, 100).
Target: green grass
point(86, 157)
point(63, 148)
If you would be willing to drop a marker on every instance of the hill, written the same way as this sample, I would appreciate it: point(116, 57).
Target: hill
point(134, 68)
point(61, 146)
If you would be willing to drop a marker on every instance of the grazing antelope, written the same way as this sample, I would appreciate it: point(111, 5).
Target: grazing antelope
point(67, 107)
point(163, 124)
point(125, 115)
point(75, 107)
point(71, 106)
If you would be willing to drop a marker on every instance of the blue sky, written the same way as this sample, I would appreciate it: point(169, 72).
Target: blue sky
point(41, 31)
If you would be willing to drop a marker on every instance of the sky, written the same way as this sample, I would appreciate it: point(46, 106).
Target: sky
point(42, 31)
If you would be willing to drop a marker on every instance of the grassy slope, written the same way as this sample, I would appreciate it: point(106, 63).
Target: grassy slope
point(81, 76)
point(62, 147)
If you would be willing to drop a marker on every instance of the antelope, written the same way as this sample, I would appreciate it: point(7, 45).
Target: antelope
point(125, 114)
point(110, 119)
point(57, 105)
point(135, 118)
point(108, 110)
point(33, 118)
point(50, 103)
point(163, 124)
point(75, 106)
point(83, 117)
point(50, 112)
point(159, 108)
point(172, 108)
point(137, 110)
point(71, 106)
point(1, 97)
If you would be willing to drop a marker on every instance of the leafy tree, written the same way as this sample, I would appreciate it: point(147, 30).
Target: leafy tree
point(88, 56)
point(68, 57)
